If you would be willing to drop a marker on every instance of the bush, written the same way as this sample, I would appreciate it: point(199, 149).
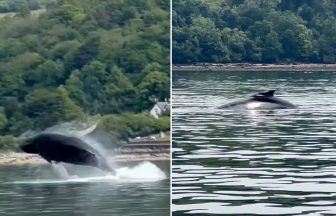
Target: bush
point(8, 143)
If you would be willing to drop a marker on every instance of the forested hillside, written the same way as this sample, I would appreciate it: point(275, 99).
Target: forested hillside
point(256, 31)
point(82, 58)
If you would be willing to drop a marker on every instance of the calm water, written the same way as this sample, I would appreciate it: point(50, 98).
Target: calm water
point(38, 190)
point(254, 162)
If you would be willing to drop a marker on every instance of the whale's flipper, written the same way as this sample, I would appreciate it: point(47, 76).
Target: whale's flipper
point(86, 131)
point(267, 94)
point(71, 129)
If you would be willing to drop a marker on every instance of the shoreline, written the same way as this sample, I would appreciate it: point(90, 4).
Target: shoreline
point(15, 158)
point(131, 152)
point(230, 67)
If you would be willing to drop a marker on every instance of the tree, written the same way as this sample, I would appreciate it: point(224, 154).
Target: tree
point(74, 87)
point(85, 53)
point(3, 121)
point(154, 86)
point(50, 107)
point(271, 48)
point(24, 11)
point(49, 73)
point(257, 31)
point(119, 94)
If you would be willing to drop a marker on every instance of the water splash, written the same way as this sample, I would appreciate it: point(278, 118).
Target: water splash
point(60, 170)
point(142, 172)
point(103, 154)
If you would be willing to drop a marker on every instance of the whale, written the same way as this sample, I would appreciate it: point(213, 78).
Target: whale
point(261, 101)
point(56, 148)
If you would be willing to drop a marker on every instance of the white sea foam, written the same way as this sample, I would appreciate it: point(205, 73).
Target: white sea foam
point(61, 170)
point(143, 172)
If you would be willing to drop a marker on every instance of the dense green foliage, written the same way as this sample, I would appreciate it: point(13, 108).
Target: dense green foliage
point(81, 58)
point(7, 6)
point(132, 125)
point(8, 143)
point(257, 31)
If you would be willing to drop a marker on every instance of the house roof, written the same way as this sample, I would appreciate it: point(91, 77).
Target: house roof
point(162, 105)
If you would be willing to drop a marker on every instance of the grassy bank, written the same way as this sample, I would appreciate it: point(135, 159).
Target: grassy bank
point(254, 67)
point(8, 143)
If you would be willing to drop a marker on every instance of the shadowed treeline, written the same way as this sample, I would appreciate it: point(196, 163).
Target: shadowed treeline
point(256, 31)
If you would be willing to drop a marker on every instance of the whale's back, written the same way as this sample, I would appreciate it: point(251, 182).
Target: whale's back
point(265, 100)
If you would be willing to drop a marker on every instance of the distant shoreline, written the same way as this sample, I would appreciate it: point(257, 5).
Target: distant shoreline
point(207, 67)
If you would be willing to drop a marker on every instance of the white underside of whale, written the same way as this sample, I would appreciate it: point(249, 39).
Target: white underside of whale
point(254, 105)
point(262, 105)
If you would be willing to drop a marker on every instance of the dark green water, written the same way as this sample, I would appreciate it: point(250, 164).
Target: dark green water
point(280, 162)
point(39, 190)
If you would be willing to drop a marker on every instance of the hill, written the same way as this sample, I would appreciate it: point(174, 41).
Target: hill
point(81, 58)
point(255, 31)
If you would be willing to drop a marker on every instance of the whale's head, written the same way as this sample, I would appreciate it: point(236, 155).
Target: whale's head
point(29, 146)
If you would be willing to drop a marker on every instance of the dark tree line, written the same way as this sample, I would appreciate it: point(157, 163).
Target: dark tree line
point(256, 31)
point(81, 58)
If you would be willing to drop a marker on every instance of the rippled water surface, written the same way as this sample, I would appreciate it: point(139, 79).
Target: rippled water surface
point(138, 190)
point(254, 162)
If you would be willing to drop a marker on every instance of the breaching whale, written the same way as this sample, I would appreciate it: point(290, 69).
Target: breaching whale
point(263, 100)
point(60, 148)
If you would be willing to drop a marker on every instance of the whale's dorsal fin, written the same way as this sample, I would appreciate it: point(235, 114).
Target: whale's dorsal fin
point(268, 93)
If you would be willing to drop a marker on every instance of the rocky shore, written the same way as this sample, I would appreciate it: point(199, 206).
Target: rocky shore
point(206, 67)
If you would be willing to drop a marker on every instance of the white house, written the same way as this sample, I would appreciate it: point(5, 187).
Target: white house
point(159, 108)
